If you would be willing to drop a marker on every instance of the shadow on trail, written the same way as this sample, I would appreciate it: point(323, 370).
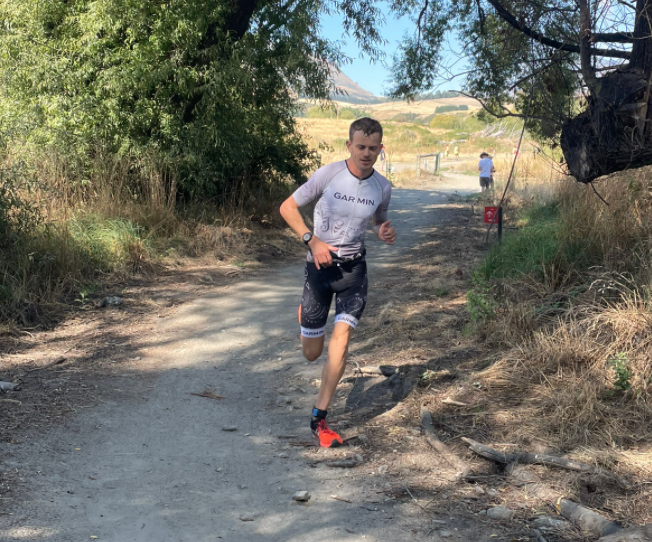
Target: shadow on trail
point(152, 462)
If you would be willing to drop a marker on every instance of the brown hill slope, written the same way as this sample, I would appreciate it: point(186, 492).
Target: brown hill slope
point(349, 91)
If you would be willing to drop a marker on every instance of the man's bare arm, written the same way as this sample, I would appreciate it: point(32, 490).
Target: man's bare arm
point(320, 250)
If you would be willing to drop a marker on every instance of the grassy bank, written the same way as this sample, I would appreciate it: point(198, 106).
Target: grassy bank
point(566, 299)
point(63, 245)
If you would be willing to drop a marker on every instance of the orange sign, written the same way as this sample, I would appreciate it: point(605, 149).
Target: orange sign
point(490, 214)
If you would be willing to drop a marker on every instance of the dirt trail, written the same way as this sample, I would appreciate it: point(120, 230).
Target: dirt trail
point(156, 464)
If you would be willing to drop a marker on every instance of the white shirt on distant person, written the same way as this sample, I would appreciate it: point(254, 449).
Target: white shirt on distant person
point(486, 166)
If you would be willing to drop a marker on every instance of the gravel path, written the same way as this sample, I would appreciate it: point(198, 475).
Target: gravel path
point(157, 464)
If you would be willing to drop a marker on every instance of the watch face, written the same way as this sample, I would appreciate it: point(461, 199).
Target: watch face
point(307, 237)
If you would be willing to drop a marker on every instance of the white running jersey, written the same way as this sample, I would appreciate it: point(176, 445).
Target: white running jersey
point(345, 206)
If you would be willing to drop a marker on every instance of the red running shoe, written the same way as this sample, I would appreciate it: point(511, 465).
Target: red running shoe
point(327, 438)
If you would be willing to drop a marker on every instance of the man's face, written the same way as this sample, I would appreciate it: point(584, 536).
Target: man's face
point(364, 150)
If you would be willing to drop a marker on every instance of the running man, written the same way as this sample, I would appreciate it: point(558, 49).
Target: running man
point(486, 169)
point(350, 193)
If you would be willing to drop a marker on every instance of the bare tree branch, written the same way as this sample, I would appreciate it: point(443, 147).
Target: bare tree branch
point(588, 73)
point(536, 36)
point(506, 112)
point(421, 14)
point(612, 37)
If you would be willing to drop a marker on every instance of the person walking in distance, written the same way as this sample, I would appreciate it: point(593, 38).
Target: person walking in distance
point(486, 168)
point(350, 193)
point(456, 152)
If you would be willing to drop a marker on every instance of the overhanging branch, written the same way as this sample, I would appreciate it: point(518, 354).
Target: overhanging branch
point(506, 112)
point(537, 36)
point(612, 37)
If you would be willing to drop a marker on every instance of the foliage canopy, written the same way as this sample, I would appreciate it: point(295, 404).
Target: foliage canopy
point(198, 92)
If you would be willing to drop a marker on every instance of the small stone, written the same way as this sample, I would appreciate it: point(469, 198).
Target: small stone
point(230, 428)
point(301, 496)
point(247, 517)
point(552, 523)
point(362, 437)
point(111, 300)
point(282, 455)
point(478, 489)
point(358, 458)
point(500, 512)
point(445, 534)
point(492, 492)
point(54, 384)
point(382, 469)
point(283, 400)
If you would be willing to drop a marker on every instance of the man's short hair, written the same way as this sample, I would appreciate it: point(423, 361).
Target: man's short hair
point(367, 126)
point(483, 154)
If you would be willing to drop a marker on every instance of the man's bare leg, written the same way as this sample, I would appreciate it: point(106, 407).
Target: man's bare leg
point(312, 347)
point(338, 349)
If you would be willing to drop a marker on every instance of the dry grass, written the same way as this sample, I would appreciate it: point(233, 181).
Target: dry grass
point(532, 171)
point(563, 367)
point(71, 240)
point(403, 142)
point(585, 380)
point(387, 110)
point(581, 336)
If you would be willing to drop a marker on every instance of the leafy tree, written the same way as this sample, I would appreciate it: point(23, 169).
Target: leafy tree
point(199, 92)
point(582, 70)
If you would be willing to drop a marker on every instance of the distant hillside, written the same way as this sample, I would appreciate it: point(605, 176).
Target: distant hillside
point(350, 91)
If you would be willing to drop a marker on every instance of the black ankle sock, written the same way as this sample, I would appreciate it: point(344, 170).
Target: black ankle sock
point(317, 415)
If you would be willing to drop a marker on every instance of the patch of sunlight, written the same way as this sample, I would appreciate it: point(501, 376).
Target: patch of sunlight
point(28, 533)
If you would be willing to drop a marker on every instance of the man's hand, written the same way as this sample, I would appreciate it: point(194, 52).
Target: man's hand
point(386, 233)
point(321, 252)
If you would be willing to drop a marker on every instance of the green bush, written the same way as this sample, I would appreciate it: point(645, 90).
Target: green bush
point(620, 364)
point(448, 108)
point(445, 122)
point(317, 112)
point(529, 249)
point(160, 85)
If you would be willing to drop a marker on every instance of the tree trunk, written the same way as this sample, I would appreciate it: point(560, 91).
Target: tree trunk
point(615, 131)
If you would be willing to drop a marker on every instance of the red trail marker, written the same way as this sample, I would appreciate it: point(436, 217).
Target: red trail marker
point(490, 214)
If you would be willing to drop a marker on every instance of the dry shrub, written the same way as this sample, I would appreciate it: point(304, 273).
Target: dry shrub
point(617, 237)
point(580, 344)
point(82, 233)
point(588, 379)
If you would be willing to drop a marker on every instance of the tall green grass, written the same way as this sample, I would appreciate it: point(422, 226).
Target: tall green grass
point(529, 249)
point(51, 263)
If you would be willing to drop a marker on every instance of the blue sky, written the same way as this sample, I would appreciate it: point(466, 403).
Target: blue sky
point(373, 77)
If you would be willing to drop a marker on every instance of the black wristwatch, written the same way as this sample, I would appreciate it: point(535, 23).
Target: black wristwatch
point(307, 237)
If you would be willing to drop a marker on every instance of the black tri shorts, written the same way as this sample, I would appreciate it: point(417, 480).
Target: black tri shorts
point(347, 280)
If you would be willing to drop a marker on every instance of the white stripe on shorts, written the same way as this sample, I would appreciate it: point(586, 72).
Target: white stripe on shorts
point(312, 333)
point(347, 319)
